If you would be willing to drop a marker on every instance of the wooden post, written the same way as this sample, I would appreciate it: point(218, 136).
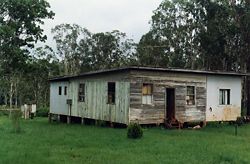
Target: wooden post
point(58, 118)
point(236, 129)
point(68, 119)
point(50, 117)
point(204, 124)
point(111, 124)
point(82, 121)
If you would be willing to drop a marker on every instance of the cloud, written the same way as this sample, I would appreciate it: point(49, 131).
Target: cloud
point(129, 16)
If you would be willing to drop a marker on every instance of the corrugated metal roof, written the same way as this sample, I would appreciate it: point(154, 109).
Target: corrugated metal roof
point(189, 71)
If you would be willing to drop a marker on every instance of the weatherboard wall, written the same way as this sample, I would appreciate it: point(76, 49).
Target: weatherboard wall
point(156, 112)
point(95, 105)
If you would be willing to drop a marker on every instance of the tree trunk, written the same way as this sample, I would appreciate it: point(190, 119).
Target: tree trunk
point(16, 94)
point(11, 93)
point(244, 59)
point(6, 99)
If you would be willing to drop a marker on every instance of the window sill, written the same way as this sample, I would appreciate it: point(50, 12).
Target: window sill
point(225, 104)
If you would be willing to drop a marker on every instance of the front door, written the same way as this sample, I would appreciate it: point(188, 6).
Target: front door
point(170, 103)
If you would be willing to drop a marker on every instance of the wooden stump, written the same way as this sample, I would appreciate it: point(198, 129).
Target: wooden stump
point(68, 119)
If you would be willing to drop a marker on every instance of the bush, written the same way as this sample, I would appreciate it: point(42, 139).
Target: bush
point(134, 131)
point(15, 116)
point(42, 112)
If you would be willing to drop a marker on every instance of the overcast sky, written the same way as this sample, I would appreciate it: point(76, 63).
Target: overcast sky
point(129, 16)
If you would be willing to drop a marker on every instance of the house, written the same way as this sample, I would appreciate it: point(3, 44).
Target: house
point(148, 95)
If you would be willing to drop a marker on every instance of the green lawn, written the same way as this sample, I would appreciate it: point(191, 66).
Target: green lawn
point(42, 142)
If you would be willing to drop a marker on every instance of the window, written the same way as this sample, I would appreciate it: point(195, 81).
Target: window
point(65, 90)
point(147, 96)
point(190, 98)
point(81, 93)
point(224, 98)
point(111, 93)
point(60, 90)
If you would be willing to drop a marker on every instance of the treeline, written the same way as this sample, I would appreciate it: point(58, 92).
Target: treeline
point(197, 34)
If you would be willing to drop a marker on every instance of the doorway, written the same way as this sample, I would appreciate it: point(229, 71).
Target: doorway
point(170, 104)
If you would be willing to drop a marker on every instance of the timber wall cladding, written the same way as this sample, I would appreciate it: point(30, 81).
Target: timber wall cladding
point(95, 105)
point(155, 113)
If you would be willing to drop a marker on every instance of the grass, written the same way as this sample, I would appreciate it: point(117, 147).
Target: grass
point(43, 142)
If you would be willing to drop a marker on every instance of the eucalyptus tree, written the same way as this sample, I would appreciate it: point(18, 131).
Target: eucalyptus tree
point(68, 39)
point(151, 51)
point(81, 50)
point(204, 34)
point(110, 50)
point(177, 24)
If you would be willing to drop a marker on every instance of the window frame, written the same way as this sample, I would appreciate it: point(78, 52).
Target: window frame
point(226, 97)
point(81, 94)
point(193, 95)
point(111, 93)
point(146, 95)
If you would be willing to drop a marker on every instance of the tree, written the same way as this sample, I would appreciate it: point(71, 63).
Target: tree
point(176, 24)
point(68, 39)
point(40, 68)
point(151, 52)
point(110, 50)
point(207, 34)
point(20, 28)
point(83, 51)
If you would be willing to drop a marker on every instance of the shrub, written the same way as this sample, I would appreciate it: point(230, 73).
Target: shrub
point(42, 112)
point(134, 131)
point(15, 116)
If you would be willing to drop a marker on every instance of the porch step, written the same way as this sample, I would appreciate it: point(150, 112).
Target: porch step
point(173, 124)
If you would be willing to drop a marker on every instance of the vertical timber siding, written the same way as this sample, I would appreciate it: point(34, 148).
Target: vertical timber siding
point(95, 105)
point(156, 113)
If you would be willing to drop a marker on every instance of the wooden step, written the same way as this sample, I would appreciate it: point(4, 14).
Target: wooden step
point(173, 124)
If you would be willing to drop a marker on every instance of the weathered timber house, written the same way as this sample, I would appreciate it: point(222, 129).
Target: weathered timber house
point(148, 95)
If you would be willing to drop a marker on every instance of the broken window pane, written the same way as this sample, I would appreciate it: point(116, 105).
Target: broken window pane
point(81, 92)
point(190, 97)
point(147, 96)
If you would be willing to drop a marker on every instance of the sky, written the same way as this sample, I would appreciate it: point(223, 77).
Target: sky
point(129, 16)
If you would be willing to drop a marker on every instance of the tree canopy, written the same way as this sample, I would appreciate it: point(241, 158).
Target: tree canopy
point(20, 29)
point(81, 50)
point(201, 34)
